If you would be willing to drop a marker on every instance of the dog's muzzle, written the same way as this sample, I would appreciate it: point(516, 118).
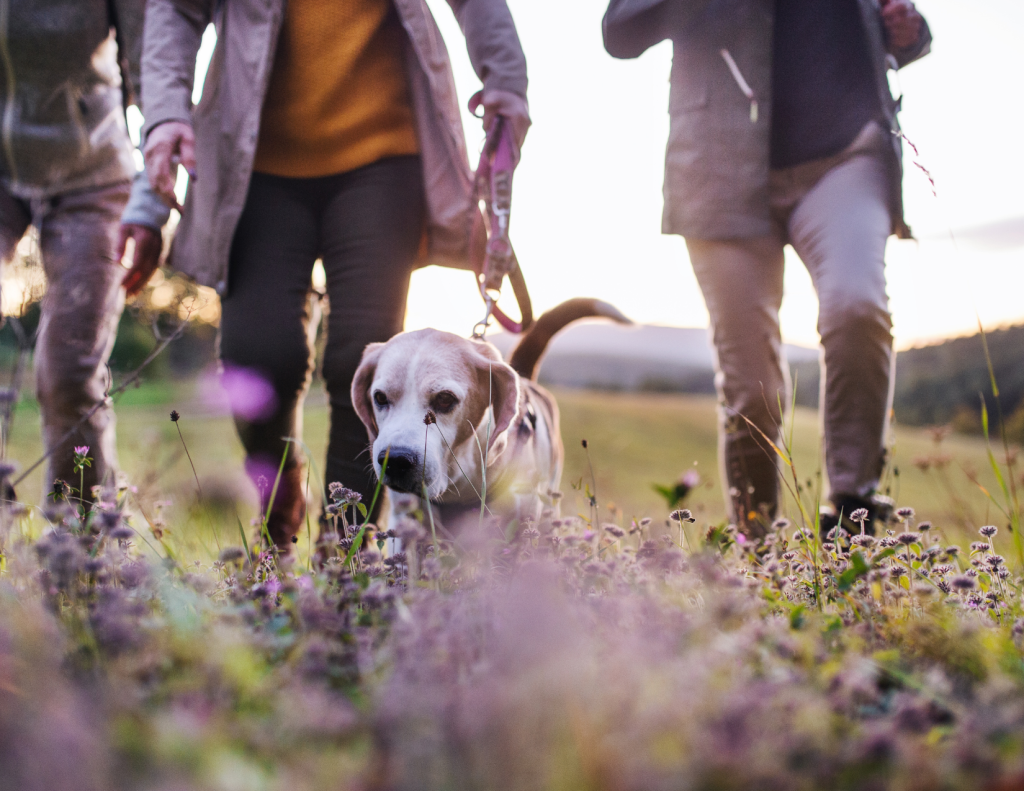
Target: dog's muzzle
point(404, 471)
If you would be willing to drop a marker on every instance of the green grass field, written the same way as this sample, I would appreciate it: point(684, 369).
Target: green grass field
point(566, 655)
point(635, 440)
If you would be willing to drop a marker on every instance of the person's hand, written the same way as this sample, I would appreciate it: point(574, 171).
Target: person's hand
point(148, 244)
point(512, 106)
point(168, 145)
point(902, 23)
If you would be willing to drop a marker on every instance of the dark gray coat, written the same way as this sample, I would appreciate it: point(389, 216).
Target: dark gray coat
point(63, 115)
point(716, 168)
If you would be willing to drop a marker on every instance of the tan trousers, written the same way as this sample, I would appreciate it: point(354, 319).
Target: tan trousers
point(78, 323)
point(835, 215)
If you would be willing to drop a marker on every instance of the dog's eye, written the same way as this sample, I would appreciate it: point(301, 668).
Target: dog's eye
point(444, 402)
point(380, 399)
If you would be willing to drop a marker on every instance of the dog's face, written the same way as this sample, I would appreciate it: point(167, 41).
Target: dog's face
point(431, 373)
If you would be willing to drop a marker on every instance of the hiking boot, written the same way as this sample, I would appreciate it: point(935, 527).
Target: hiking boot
point(879, 509)
point(288, 511)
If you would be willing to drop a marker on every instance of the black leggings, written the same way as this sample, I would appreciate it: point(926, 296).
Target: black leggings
point(366, 226)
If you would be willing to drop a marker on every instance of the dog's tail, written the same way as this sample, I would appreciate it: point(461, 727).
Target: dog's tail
point(527, 355)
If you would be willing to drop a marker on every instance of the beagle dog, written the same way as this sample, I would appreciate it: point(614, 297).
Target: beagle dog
point(456, 423)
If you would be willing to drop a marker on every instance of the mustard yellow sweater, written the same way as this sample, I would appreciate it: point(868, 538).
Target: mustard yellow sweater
point(338, 96)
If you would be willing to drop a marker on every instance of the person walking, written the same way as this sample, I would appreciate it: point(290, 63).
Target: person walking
point(328, 129)
point(67, 167)
point(784, 131)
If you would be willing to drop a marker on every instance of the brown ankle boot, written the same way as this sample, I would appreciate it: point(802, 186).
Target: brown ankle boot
point(288, 510)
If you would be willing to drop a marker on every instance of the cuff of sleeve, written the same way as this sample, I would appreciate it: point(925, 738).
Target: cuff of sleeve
point(154, 120)
point(516, 84)
point(144, 206)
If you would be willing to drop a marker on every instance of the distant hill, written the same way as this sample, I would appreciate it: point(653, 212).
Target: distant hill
point(935, 384)
point(648, 357)
point(944, 382)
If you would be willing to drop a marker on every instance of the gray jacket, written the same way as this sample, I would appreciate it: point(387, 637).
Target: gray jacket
point(63, 123)
point(717, 162)
point(227, 119)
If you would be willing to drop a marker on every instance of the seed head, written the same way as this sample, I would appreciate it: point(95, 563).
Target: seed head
point(175, 417)
point(341, 494)
point(583, 442)
point(430, 418)
point(988, 531)
point(908, 538)
point(231, 554)
point(682, 515)
point(836, 533)
point(905, 513)
point(122, 533)
point(962, 583)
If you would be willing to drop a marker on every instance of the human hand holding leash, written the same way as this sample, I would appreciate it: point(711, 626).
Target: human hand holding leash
point(510, 105)
point(145, 259)
point(168, 145)
point(902, 23)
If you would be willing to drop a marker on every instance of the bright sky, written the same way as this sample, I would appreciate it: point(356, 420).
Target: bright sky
point(587, 198)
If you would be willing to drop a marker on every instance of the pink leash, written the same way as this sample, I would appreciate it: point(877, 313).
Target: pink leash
point(498, 162)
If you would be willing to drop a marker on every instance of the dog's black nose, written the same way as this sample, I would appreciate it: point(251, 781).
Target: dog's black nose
point(403, 468)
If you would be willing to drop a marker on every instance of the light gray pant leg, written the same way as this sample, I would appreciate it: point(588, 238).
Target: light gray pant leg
point(839, 230)
point(742, 285)
point(77, 329)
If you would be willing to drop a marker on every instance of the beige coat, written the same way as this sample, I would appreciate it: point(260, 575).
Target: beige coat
point(717, 160)
point(227, 119)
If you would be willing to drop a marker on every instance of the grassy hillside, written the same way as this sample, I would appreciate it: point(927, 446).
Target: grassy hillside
point(635, 440)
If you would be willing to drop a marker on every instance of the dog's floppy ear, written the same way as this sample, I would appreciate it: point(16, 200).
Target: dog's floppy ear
point(361, 388)
point(499, 382)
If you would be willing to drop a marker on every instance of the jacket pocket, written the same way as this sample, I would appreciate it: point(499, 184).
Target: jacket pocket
point(688, 96)
point(689, 84)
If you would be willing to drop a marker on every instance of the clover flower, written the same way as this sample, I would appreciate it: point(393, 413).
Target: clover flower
point(342, 495)
point(962, 582)
point(231, 555)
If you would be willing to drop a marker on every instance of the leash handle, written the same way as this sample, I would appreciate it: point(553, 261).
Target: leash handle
point(498, 161)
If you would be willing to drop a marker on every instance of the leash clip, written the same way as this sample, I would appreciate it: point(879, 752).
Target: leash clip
point(480, 328)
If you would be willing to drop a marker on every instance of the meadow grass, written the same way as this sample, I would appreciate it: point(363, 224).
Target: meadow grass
point(635, 441)
point(143, 647)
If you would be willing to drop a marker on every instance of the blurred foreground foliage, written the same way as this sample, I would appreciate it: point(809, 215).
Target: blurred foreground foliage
point(563, 654)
